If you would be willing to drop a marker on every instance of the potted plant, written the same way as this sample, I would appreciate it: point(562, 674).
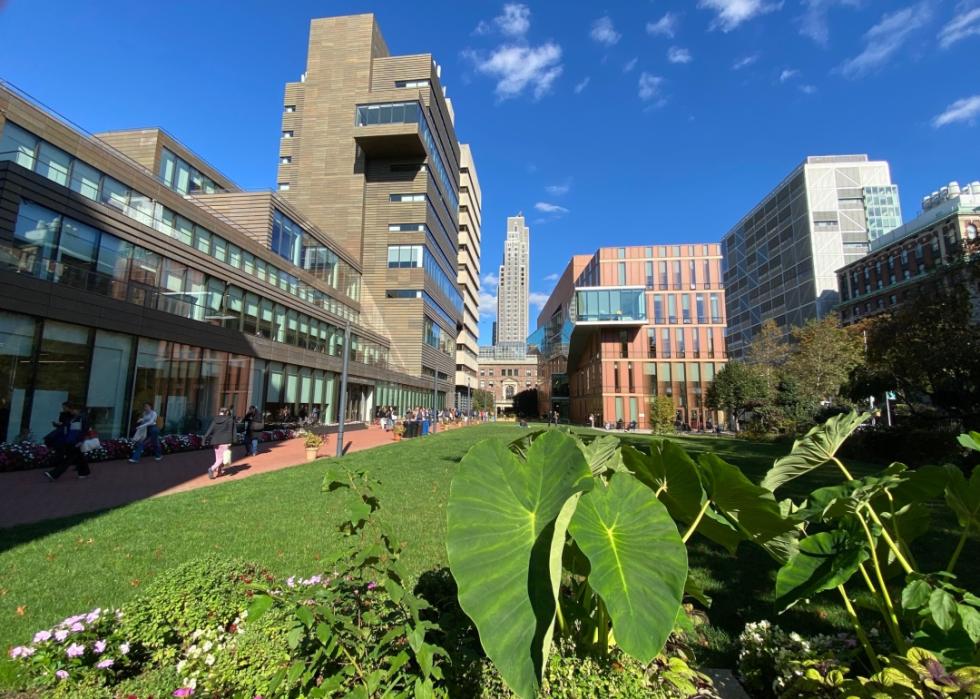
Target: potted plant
point(398, 431)
point(313, 442)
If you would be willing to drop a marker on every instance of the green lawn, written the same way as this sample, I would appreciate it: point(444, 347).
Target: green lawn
point(61, 567)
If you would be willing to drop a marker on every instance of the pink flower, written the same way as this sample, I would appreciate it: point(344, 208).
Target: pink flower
point(61, 674)
point(60, 635)
point(42, 636)
point(77, 627)
point(99, 647)
point(75, 650)
point(184, 692)
point(21, 652)
point(104, 664)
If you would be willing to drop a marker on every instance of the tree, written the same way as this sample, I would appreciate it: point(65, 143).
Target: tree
point(526, 403)
point(662, 415)
point(823, 359)
point(737, 388)
point(482, 400)
point(767, 354)
point(927, 352)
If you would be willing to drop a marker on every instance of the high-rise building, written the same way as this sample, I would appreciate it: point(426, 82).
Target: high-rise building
point(513, 279)
point(369, 153)
point(781, 259)
point(935, 250)
point(627, 324)
point(470, 217)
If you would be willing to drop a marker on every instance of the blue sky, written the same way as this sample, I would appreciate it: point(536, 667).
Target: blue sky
point(634, 122)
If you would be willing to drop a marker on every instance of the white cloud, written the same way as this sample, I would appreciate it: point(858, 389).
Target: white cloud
point(559, 190)
point(630, 64)
point(808, 89)
point(649, 86)
point(788, 74)
point(884, 39)
point(581, 85)
point(488, 305)
point(552, 277)
point(549, 208)
point(813, 22)
point(732, 13)
point(665, 26)
point(966, 109)
point(537, 299)
point(604, 32)
point(517, 68)
point(489, 281)
point(965, 23)
point(675, 54)
point(745, 61)
point(515, 20)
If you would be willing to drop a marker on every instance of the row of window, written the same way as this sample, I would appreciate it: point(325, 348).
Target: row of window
point(506, 372)
point(183, 177)
point(57, 248)
point(25, 149)
point(292, 243)
point(434, 336)
point(700, 310)
point(668, 251)
point(412, 113)
point(414, 256)
point(680, 347)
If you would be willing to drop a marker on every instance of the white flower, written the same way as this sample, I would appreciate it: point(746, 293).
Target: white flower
point(208, 645)
point(209, 660)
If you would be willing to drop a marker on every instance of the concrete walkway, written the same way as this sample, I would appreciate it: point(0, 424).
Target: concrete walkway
point(27, 496)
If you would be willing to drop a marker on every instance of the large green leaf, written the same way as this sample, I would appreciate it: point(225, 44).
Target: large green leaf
point(506, 529)
point(963, 497)
point(817, 447)
point(824, 561)
point(638, 561)
point(602, 454)
point(751, 508)
point(970, 441)
point(669, 472)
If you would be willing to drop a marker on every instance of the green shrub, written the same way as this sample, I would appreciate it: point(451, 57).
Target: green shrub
point(198, 594)
point(158, 682)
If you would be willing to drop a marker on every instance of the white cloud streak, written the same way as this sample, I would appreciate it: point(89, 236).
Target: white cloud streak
point(604, 32)
point(630, 65)
point(884, 39)
point(731, 13)
point(745, 61)
point(518, 68)
point(582, 84)
point(649, 86)
point(515, 21)
point(965, 110)
point(552, 277)
point(814, 23)
point(549, 208)
point(665, 26)
point(675, 54)
point(788, 74)
point(559, 190)
point(537, 299)
point(965, 23)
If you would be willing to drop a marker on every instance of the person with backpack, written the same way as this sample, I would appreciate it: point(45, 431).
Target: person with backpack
point(253, 426)
point(147, 432)
point(69, 453)
point(221, 434)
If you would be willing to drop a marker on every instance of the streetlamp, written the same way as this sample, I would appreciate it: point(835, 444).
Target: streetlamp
point(435, 401)
point(341, 408)
point(469, 400)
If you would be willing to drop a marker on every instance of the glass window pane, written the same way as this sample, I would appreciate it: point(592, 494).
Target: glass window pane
point(76, 254)
point(60, 374)
point(18, 145)
point(168, 164)
point(114, 194)
point(85, 180)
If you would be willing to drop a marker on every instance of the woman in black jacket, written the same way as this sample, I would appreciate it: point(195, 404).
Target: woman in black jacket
point(221, 434)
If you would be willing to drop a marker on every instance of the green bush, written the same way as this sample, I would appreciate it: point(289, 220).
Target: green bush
point(158, 683)
point(198, 594)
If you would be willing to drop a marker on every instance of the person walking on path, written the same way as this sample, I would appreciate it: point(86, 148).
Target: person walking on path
point(147, 432)
point(253, 426)
point(221, 433)
point(75, 428)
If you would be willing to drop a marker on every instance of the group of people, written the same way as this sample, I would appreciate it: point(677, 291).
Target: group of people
point(72, 429)
point(387, 416)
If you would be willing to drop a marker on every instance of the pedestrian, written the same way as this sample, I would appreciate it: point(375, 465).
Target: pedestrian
point(221, 434)
point(147, 432)
point(70, 453)
point(592, 420)
point(253, 427)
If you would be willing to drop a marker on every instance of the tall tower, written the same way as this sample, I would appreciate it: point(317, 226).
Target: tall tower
point(468, 264)
point(369, 152)
point(512, 292)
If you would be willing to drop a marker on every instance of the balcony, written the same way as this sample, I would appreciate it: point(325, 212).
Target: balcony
point(390, 129)
point(624, 306)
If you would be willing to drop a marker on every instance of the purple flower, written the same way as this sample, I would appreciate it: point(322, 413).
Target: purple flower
point(75, 650)
point(291, 581)
point(61, 674)
point(21, 652)
point(42, 636)
point(77, 627)
point(93, 616)
point(60, 635)
point(99, 647)
point(372, 585)
point(184, 692)
point(105, 664)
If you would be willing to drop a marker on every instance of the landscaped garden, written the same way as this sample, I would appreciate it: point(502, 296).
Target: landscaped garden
point(270, 583)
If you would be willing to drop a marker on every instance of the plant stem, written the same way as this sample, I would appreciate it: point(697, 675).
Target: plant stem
point(958, 550)
point(661, 489)
point(602, 627)
point(697, 521)
point(842, 467)
point(888, 610)
point(862, 636)
point(867, 579)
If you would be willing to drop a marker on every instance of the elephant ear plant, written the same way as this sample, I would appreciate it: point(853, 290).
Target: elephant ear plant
point(589, 539)
point(857, 534)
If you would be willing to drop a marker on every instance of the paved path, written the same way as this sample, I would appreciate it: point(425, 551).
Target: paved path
point(27, 496)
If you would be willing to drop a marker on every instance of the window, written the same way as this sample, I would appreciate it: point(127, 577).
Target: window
point(622, 273)
point(85, 180)
point(403, 294)
point(406, 227)
point(412, 83)
point(283, 186)
point(285, 159)
point(404, 256)
point(287, 134)
point(53, 163)
point(289, 108)
point(18, 145)
point(406, 197)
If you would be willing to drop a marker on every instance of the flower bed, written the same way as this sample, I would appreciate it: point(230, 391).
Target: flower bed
point(23, 456)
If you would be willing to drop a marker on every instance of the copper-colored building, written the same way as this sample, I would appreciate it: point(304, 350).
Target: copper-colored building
point(626, 324)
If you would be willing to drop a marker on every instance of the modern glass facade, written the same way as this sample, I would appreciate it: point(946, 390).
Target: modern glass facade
point(611, 305)
point(183, 177)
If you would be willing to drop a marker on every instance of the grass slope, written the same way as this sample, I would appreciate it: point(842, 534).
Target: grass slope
point(56, 568)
